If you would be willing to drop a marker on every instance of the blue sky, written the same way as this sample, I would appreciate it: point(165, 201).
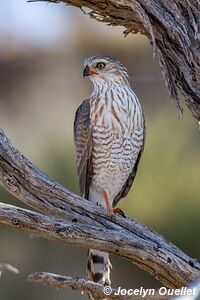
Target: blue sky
point(38, 23)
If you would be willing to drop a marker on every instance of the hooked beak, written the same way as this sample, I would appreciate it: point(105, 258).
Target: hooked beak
point(88, 71)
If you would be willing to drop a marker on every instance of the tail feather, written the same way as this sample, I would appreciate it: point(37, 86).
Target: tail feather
point(98, 267)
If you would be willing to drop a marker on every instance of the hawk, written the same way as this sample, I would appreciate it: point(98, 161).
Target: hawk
point(109, 135)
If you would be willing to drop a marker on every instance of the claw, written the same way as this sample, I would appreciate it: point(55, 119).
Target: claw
point(118, 210)
point(99, 204)
point(112, 210)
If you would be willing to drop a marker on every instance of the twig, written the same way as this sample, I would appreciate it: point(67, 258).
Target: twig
point(7, 267)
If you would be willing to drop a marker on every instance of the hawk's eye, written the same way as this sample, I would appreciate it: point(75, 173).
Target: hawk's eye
point(100, 65)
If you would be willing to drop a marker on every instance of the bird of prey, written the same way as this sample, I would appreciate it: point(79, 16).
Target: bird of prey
point(109, 135)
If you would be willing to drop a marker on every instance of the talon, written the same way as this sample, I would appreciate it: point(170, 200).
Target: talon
point(99, 204)
point(118, 210)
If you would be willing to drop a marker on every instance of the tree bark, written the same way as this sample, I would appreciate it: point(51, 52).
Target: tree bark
point(97, 290)
point(173, 27)
point(69, 218)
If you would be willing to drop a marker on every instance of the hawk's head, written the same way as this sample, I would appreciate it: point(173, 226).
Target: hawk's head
point(104, 68)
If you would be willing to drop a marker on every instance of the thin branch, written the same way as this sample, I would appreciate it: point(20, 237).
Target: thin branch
point(71, 219)
point(7, 267)
point(97, 290)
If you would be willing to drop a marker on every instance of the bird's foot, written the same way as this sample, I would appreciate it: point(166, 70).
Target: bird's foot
point(112, 210)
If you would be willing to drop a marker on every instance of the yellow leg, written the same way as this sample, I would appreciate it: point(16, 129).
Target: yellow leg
point(116, 210)
point(108, 204)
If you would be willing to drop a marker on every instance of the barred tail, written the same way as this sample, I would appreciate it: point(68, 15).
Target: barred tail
point(98, 267)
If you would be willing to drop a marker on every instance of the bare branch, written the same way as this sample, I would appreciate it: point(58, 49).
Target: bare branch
point(67, 282)
point(98, 291)
point(73, 220)
point(173, 27)
point(7, 267)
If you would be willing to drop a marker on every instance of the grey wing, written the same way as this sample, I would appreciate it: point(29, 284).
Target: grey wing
point(126, 187)
point(83, 147)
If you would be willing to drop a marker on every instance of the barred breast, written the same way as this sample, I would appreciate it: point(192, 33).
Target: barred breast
point(117, 133)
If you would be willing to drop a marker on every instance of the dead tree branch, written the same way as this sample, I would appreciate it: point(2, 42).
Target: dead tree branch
point(173, 27)
point(71, 219)
point(83, 285)
point(7, 267)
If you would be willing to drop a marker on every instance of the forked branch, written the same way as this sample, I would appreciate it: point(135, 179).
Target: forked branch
point(68, 218)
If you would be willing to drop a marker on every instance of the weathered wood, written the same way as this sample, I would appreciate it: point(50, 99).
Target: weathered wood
point(173, 28)
point(72, 219)
point(86, 286)
point(7, 267)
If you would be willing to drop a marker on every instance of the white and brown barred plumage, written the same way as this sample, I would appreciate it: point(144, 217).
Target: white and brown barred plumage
point(109, 135)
